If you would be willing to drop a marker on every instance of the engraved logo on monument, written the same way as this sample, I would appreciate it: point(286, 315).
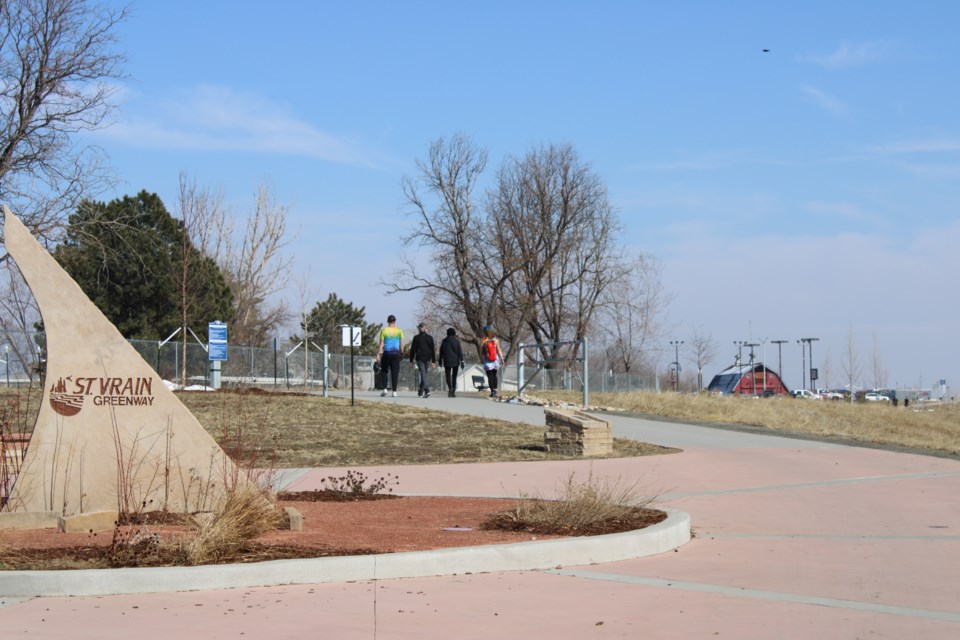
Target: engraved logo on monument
point(67, 395)
point(66, 404)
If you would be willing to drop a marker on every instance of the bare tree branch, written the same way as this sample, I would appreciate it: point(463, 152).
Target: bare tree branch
point(633, 313)
point(57, 60)
point(466, 275)
point(704, 350)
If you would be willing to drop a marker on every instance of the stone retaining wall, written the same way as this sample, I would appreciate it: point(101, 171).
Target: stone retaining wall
point(573, 432)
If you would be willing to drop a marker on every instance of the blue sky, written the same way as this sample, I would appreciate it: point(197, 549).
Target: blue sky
point(810, 190)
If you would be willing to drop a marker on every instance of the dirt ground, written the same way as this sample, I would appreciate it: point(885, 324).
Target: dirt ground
point(329, 529)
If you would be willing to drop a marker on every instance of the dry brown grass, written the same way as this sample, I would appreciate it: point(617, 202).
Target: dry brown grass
point(310, 431)
point(245, 515)
point(577, 506)
point(934, 426)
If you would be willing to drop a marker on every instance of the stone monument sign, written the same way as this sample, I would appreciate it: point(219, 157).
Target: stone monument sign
point(110, 435)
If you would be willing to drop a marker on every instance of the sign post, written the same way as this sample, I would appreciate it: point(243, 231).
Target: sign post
point(216, 350)
point(350, 337)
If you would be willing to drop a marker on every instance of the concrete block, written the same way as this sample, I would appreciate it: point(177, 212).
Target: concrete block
point(295, 518)
point(34, 520)
point(93, 521)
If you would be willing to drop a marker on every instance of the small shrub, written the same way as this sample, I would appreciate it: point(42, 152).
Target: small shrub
point(595, 505)
point(245, 515)
point(354, 483)
point(133, 547)
point(350, 487)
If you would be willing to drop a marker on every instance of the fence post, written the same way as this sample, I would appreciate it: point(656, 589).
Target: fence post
point(586, 374)
point(520, 371)
point(326, 370)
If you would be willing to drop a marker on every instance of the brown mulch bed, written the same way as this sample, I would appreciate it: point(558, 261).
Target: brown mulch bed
point(352, 527)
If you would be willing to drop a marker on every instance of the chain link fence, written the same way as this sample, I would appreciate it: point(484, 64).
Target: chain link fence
point(289, 366)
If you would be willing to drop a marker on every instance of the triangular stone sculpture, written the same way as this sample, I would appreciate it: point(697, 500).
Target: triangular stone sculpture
point(110, 435)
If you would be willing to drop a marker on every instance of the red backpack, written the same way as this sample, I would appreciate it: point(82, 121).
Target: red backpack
point(489, 351)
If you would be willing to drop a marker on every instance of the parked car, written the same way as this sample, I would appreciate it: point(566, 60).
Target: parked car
point(804, 393)
point(875, 397)
point(833, 395)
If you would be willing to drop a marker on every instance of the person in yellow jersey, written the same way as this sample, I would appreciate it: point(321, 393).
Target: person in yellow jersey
point(389, 354)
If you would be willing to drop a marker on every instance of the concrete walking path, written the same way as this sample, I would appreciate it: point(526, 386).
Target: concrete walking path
point(795, 539)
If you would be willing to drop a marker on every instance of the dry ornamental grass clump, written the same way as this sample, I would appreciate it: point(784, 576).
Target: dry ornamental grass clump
point(591, 507)
point(245, 515)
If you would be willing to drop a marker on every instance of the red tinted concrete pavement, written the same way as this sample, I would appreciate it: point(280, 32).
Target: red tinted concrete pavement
point(797, 541)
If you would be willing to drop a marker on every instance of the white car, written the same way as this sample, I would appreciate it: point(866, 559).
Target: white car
point(876, 397)
point(804, 393)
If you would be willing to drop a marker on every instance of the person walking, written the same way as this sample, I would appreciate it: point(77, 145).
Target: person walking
point(389, 354)
point(422, 354)
point(492, 358)
point(451, 359)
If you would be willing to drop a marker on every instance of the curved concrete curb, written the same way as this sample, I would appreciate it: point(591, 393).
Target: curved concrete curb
point(521, 556)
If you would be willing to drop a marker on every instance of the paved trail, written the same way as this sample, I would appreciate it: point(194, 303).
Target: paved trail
point(794, 539)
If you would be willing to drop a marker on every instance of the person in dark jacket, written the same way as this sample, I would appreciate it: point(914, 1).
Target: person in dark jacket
point(451, 359)
point(423, 353)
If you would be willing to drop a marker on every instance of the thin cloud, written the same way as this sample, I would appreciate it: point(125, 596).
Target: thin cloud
point(212, 118)
point(691, 164)
point(849, 55)
point(931, 170)
point(845, 210)
point(825, 101)
point(704, 162)
point(937, 144)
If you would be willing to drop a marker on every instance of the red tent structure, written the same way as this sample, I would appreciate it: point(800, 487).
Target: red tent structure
point(752, 380)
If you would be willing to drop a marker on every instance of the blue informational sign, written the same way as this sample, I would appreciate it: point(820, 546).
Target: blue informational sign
point(217, 341)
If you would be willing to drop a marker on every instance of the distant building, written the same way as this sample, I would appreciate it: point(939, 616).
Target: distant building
point(751, 380)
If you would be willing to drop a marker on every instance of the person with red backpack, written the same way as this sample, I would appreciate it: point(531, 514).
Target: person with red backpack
point(492, 358)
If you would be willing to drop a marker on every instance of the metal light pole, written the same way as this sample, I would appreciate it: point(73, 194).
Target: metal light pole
point(803, 362)
point(764, 363)
point(753, 377)
point(779, 344)
point(809, 342)
point(676, 363)
point(739, 344)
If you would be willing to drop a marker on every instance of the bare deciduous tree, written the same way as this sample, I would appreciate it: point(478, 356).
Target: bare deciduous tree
point(306, 293)
point(826, 370)
point(535, 260)
point(851, 364)
point(252, 260)
point(203, 215)
point(57, 60)
point(18, 317)
point(551, 210)
point(876, 367)
point(633, 313)
point(467, 278)
point(704, 350)
point(256, 269)
point(205, 218)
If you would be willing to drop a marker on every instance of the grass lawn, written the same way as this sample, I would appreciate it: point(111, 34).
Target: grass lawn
point(311, 431)
point(933, 426)
point(294, 430)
